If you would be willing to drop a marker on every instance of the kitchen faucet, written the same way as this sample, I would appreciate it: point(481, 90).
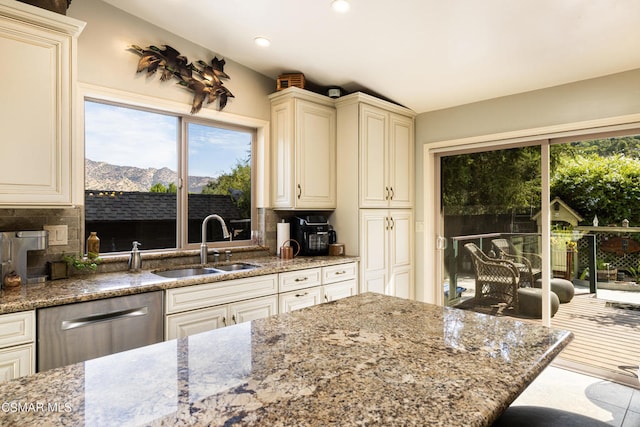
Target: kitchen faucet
point(203, 246)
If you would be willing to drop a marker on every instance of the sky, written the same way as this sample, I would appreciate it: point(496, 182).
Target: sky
point(129, 137)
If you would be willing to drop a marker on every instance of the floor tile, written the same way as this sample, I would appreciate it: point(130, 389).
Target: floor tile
point(579, 394)
point(635, 401)
point(632, 419)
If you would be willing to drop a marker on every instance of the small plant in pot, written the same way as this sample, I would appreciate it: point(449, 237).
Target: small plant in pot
point(82, 263)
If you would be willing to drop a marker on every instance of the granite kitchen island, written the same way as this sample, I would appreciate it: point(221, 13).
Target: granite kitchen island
point(364, 360)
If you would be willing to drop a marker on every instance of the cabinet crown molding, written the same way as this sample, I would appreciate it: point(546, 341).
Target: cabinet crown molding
point(41, 17)
point(359, 97)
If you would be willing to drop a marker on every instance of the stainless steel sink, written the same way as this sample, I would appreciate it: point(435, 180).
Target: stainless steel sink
point(235, 267)
point(187, 272)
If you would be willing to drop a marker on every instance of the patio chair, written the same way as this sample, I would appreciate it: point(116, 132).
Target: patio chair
point(496, 279)
point(529, 264)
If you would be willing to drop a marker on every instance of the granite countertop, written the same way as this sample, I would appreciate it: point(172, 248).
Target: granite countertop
point(106, 285)
point(364, 360)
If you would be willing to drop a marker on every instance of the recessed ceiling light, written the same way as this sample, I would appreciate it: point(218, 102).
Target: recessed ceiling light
point(262, 41)
point(340, 6)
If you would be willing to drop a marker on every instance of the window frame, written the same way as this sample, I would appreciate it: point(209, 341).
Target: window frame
point(259, 154)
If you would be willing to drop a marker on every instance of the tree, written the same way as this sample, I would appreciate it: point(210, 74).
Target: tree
point(236, 183)
point(492, 182)
point(160, 188)
point(605, 186)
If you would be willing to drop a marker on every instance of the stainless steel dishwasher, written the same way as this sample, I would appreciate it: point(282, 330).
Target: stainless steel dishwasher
point(82, 331)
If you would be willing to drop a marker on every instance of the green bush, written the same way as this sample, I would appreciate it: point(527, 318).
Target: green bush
point(608, 187)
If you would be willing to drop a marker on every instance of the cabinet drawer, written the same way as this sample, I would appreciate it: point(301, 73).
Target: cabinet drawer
point(294, 280)
point(339, 290)
point(338, 273)
point(300, 299)
point(17, 328)
point(200, 296)
point(17, 362)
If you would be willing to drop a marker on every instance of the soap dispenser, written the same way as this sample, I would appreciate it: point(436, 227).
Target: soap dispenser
point(135, 261)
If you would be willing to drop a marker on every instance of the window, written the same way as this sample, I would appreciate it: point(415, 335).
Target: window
point(153, 177)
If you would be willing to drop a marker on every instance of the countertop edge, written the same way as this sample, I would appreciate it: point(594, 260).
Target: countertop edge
point(92, 287)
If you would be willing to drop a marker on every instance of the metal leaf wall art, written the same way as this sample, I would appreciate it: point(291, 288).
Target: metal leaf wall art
point(205, 80)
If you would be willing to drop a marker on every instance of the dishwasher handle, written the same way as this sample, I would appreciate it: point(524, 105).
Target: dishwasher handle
point(103, 317)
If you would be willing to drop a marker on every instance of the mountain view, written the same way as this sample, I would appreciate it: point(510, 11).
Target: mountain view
point(107, 177)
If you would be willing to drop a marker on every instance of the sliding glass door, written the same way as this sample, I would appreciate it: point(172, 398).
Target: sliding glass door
point(564, 208)
point(490, 204)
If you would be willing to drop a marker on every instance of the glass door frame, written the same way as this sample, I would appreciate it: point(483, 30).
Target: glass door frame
point(433, 242)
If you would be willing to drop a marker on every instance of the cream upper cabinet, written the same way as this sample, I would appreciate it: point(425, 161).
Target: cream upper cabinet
point(36, 109)
point(304, 150)
point(386, 158)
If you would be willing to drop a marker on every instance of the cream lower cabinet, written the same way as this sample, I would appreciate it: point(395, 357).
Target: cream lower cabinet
point(299, 289)
point(200, 308)
point(387, 252)
point(339, 281)
point(17, 345)
point(305, 288)
point(205, 319)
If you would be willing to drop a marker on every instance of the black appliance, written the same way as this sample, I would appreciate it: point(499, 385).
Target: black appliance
point(314, 234)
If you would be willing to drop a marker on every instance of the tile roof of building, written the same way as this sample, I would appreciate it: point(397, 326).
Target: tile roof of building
point(120, 206)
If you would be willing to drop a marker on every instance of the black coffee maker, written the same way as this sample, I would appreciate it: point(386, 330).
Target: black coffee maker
point(314, 234)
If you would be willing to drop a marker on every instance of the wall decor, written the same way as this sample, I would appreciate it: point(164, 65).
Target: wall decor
point(203, 79)
point(58, 6)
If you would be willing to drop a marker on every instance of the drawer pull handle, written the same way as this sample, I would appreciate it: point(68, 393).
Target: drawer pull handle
point(103, 317)
point(340, 272)
point(302, 295)
point(224, 321)
point(234, 319)
point(301, 279)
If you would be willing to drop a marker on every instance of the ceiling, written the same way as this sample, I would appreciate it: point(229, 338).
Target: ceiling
point(423, 54)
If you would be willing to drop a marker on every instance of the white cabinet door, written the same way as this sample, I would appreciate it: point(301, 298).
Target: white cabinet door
point(194, 322)
point(36, 112)
point(401, 253)
point(17, 362)
point(299, 299)
point(401, 161)
point(282, 122)
point(315, 156)
point(259, 308)
point(374, 224)
point(374, 190)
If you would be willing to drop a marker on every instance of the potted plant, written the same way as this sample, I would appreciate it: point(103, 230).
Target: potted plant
point(605, 272)
point(81, 263)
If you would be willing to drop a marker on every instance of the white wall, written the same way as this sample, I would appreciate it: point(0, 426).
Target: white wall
point(103, 60)
point(608, 100)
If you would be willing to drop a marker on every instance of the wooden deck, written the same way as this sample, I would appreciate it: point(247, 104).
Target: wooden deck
point(606, 341)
